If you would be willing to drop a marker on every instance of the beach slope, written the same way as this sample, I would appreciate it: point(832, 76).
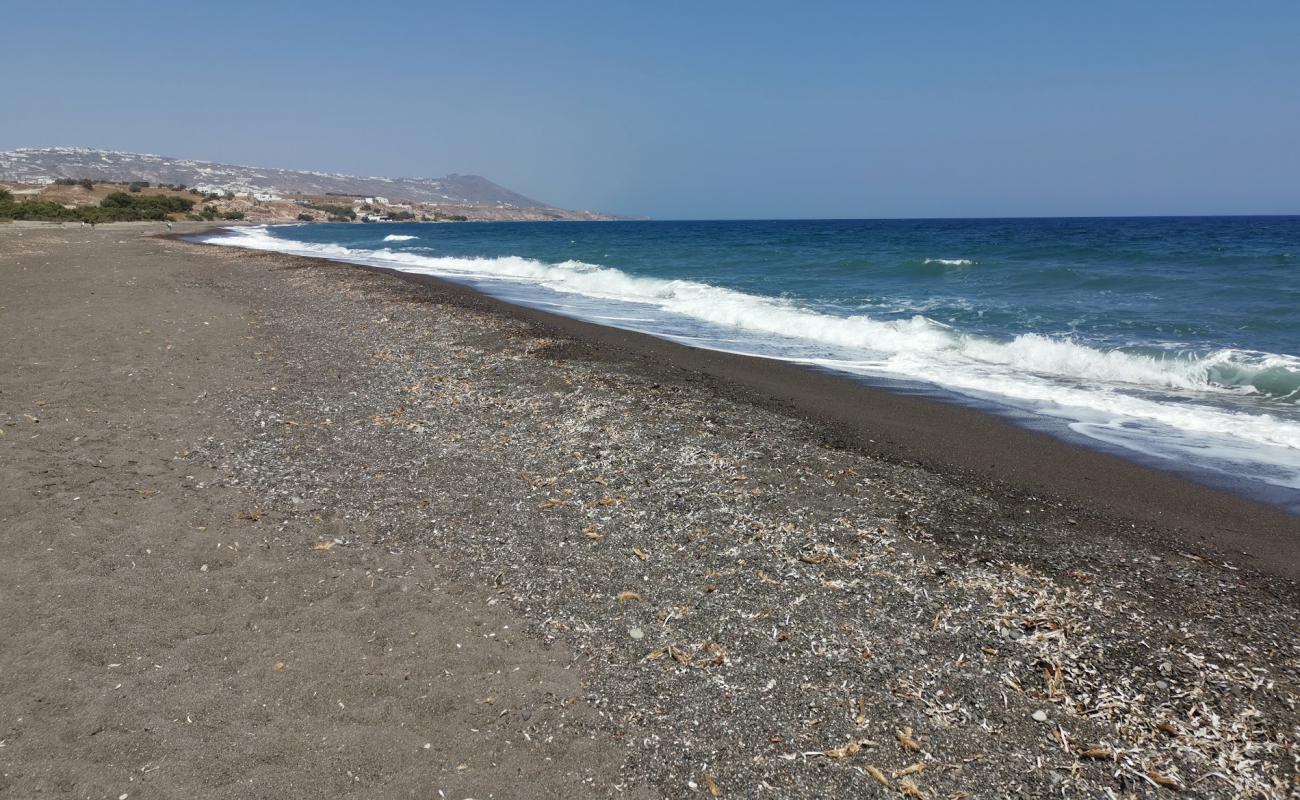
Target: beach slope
point(274, 524)
point(168, 632)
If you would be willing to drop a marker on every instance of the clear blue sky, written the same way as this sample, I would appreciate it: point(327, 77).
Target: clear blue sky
point(700, 109)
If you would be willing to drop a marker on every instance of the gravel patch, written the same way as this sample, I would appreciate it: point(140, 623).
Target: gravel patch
point(757, 612)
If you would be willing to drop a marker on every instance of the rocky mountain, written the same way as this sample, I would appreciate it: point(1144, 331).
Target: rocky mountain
point(49, 164)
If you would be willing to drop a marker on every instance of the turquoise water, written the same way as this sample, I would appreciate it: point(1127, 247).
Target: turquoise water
point(1175, 341)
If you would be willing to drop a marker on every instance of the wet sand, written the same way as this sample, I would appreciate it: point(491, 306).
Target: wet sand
point(273, 524)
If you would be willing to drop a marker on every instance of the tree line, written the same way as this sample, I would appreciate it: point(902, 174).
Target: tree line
point(117, 207)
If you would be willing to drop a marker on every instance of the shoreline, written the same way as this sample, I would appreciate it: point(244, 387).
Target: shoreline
point(1015, 462)
point(413, 541)
point(747, 593)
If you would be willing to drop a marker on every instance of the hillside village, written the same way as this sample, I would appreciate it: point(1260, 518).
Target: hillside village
point(272, 208)
point(76, 179)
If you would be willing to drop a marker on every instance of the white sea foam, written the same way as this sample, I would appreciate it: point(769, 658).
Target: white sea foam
point(1107, 389)
point(952, 262)
point(399, 237)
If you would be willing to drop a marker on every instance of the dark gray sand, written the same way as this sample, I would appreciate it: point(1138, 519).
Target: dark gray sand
point(166, 634)
point(571, 566)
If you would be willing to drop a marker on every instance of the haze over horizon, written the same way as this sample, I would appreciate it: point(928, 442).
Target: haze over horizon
point(676, 111)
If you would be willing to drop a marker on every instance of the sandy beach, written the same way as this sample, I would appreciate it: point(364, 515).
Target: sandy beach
point(278, 527)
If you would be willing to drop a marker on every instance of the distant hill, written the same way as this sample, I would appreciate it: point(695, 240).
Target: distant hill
point(49, 164)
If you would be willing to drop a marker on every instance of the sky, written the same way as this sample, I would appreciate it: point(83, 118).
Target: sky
point(710, 110)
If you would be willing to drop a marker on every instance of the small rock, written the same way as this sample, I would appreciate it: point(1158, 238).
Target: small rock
point(636, 633)
point(1040, 715)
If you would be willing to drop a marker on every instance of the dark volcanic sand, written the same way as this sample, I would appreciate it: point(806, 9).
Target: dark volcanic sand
point(770, 582)
point(167, 636)
point(973, 447)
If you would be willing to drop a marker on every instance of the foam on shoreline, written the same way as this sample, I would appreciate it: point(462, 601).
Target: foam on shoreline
point(1176, 406)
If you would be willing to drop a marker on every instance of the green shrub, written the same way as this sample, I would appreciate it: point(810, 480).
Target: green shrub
point(117, 207)
point(306, 218)
point(117, 200)
point(36, 210)
point(101, 214)
point(345, 212)
point(233, 215)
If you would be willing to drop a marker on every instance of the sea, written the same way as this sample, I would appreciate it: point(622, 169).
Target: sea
point(1170, 341)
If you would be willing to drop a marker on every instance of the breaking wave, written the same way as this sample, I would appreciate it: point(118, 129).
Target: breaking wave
point(398, 237)
point(1173, 389)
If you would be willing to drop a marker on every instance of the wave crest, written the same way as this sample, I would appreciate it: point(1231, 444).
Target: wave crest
point(1030, 367)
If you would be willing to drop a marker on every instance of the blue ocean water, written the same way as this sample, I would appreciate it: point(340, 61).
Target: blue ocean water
point(1175, 341)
